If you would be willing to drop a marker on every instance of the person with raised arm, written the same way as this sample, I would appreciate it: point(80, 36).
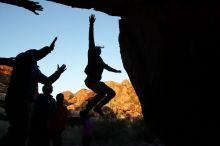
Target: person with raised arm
point(94, 70)
point(23, 89)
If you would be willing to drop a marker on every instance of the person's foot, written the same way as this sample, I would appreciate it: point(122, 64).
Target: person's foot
point(99, 111)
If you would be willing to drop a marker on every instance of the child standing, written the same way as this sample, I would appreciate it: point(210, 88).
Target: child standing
point(44, 108)
point(58, 122)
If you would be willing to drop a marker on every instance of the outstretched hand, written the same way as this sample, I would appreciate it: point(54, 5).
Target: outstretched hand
point(92, 18)
point(119, 71)
point(33, 6)
point(61, 69)
point(52, 45)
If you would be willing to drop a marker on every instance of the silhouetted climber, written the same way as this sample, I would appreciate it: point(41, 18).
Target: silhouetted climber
point(94, 71)
point(58, 121)
point(22, 90)
point(44, 108)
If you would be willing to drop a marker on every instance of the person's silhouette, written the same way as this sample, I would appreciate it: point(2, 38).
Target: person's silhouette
point(94, 71)
point(22, 90)
point(58, 121)
point(44, 109)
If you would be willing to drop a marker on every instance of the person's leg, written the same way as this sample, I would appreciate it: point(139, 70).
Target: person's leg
point(110, 93)
point(91, 103)
point(100, 94)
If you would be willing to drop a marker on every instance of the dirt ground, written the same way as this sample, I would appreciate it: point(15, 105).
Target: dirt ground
point(104, 135)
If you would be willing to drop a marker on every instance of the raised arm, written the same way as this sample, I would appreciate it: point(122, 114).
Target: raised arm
point(7, 61)
point(91, 33)
point(109, 68)
point(51, 79)
point(33, 55)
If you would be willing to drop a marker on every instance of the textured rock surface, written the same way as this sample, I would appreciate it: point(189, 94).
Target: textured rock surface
point(5, 72)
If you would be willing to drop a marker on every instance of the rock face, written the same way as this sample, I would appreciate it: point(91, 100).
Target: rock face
point(124, 105)
point(5, 72)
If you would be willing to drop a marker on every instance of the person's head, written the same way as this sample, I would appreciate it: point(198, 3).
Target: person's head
point(26, 52)
point(98, 49)
point(47, 89)
point(60, 98)
point(30, 51)
point(22, 55)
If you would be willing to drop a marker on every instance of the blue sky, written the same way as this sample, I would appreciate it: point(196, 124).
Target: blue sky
point(21, 30)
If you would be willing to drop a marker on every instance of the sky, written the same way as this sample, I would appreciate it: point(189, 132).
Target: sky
point(21, 30)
